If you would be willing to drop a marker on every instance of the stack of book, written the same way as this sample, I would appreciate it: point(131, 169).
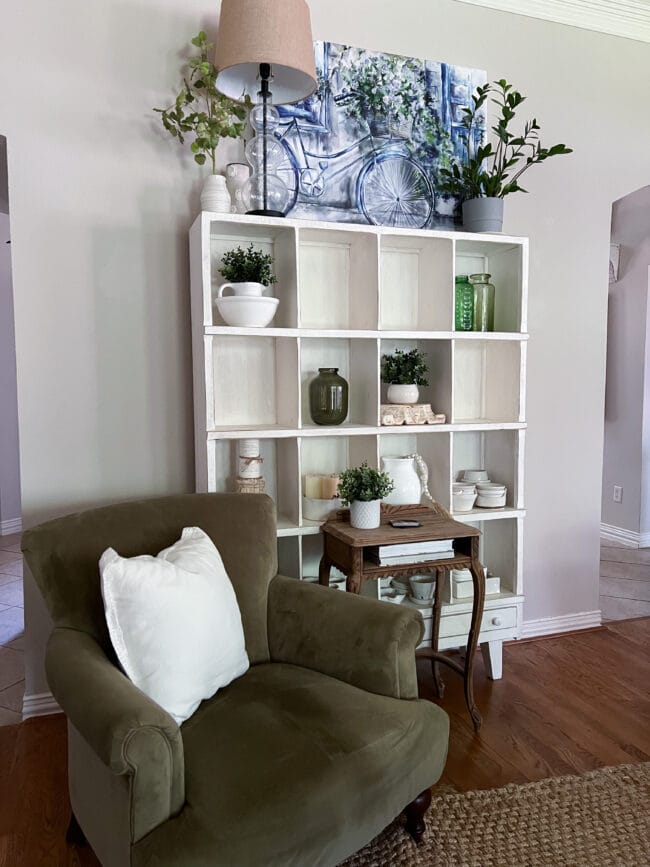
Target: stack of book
point(410, 552)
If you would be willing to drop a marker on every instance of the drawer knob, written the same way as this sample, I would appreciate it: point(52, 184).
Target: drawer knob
point(496, 621)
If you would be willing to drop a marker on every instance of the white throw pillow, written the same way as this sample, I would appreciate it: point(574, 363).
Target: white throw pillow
point(174, 622)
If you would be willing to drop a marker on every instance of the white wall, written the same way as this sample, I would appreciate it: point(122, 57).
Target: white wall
point(626, 410)
point(101, 204)
point(9, 456)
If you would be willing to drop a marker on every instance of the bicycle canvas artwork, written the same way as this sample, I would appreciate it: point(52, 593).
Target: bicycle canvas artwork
point(368, 145)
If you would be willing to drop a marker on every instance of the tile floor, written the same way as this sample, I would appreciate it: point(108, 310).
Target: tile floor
point(12, 672)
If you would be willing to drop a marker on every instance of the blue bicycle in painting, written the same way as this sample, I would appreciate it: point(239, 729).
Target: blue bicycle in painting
point(368, 142)
point(390, 189)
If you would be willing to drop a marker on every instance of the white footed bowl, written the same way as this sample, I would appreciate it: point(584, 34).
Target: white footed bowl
point(475, 476)
point(243, 311)
point(463, 502)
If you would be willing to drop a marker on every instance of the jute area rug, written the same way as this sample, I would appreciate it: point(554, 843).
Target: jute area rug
point(600, 819)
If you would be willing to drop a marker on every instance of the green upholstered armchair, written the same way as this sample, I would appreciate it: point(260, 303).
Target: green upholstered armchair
point(298, 763)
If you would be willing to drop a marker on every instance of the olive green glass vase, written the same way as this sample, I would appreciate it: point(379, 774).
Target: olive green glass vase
point(328, 397)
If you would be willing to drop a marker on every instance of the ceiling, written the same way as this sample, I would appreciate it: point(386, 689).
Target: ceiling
point(627, 18)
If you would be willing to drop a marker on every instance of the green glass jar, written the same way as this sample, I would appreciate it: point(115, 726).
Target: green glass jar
point(328, 397)
point(464, 304)
point(483, 302)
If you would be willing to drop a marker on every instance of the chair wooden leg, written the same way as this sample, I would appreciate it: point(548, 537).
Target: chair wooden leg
point(415, 812)
point(74, 836)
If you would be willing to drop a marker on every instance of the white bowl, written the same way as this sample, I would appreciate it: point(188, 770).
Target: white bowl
point(464, 488)
point(491, 501)
point(489, 486)
point(319, 510)
point(243, 311)
point(422, 587)
point(475, 476)
point(463, 502)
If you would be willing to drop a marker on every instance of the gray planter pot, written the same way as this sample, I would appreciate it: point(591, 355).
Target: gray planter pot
point(483, 215)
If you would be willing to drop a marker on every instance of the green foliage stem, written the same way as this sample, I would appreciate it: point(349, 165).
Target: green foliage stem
point(404, 368)
point(248, 266)
point(200, 109)
point(365, 484)
point(495, 168)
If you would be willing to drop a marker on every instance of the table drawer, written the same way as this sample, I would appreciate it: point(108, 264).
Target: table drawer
point(458, 624)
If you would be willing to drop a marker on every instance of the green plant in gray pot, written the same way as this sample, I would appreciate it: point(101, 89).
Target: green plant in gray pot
point(492, 170)
point(363, 488)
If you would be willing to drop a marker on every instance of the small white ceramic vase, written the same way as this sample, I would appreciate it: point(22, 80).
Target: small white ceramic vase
point(236, 176)
point(365, 515)
point(215, 196)
point(403, 394)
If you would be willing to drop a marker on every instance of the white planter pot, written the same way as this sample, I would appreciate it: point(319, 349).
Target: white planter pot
point(215, 196)
point(365, 515)
point(403, 394)
point(483, 215)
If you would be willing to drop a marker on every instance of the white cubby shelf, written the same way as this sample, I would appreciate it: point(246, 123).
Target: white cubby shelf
point(349, 294)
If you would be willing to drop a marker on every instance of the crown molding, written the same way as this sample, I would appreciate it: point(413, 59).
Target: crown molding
point(627, 18)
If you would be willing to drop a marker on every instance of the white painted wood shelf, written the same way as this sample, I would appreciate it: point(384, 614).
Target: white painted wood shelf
point(348, 295)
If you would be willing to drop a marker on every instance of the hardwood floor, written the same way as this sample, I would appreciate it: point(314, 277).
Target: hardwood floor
point(565, 706)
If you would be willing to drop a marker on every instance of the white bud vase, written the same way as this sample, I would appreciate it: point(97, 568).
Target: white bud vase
point(365, 515)
point(215, 196)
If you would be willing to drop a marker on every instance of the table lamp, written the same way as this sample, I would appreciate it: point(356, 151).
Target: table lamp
point(259, 43)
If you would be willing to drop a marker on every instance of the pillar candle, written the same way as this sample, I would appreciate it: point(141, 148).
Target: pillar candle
point(313, 487)
point(329, 486)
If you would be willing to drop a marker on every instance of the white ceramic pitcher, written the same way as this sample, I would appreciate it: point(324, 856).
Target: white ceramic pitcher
point(410, 476)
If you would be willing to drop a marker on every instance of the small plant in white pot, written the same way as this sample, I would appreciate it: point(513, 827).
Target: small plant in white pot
point(200, 110)
point(248, 272)
point(403, 372)
point(492, 170)
point(363, 488)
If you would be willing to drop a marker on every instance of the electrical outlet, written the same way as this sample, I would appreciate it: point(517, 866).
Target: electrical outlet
point(618, 494)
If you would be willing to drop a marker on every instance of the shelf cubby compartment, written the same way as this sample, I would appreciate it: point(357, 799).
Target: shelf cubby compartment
point(506, 262)
point(280, 242)
point(500, 452)
point(338, 279)
point(500, 550)
point(488, 381)
point(439, 360)
point(435, 449)
point(312, 551)
point(279, 469)
point(416, 283)
point(254, 382)
point(289, 556)
point(357, 361)
point(327, 455)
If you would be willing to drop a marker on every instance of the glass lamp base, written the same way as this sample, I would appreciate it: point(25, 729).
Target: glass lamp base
point(262, 212)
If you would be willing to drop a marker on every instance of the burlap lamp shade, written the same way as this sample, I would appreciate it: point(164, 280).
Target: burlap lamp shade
point(277, 32)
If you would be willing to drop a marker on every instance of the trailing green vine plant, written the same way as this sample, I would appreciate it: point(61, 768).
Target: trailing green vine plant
point(494, 169)
point(200, 109)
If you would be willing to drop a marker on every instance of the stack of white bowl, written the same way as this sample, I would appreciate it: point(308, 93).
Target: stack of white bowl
point(475, 487)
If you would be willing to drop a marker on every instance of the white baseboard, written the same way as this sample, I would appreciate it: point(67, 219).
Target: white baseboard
point(39, 704)
point(564, 623)
point(624, 537)
point(12, 525)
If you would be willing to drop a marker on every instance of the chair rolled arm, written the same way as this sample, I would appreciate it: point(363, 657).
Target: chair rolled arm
point(364, 642)
point(129, 732)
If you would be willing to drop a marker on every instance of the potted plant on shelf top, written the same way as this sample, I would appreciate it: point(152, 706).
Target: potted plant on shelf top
point(248, 273)
point(492, 170)
point(200, 110)
point(363, 489)
point(403, 372)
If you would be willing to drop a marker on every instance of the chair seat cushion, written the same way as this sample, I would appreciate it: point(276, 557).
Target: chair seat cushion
point(287, 767)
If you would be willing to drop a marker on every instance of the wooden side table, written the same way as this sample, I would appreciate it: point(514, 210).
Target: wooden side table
point(344, 547)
